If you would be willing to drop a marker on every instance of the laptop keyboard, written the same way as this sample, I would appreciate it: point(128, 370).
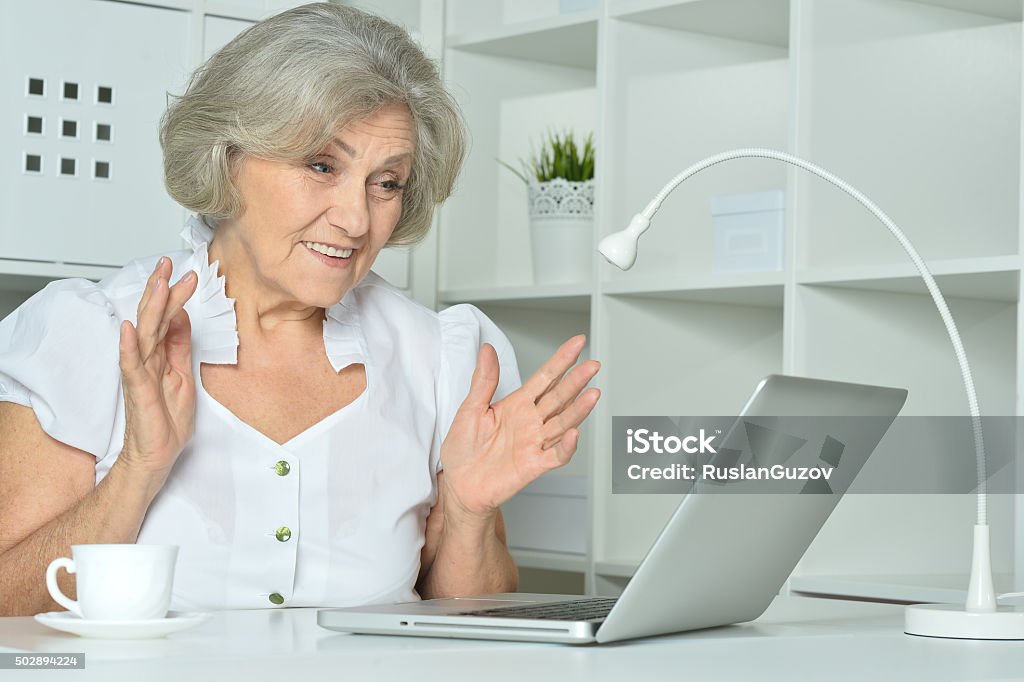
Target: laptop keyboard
point(590, 609)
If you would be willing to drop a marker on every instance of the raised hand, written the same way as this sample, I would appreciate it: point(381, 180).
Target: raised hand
point(494, 451)
point(156, 375)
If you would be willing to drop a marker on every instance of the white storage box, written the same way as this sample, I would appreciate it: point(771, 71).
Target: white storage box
point(748, 231)
point(549, 515)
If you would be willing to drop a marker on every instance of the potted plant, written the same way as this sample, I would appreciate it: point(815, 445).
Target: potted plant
point(560, 188)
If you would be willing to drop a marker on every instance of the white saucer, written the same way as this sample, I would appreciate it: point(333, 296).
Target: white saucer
point(65, 621)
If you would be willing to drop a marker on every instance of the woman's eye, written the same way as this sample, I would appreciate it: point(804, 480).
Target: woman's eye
point(321, 167)
point(388, 188)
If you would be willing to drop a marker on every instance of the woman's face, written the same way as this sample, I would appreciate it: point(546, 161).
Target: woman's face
point(313, 230)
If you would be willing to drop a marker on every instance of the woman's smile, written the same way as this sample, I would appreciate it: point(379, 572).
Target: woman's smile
point(330, 256)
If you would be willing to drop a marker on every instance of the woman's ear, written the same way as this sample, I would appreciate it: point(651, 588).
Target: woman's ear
point(234, 158)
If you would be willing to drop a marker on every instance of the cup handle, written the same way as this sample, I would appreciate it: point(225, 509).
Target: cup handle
point(54, 589)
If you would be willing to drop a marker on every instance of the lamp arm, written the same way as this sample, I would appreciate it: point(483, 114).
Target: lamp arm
point(981, 597)
point(926, 275)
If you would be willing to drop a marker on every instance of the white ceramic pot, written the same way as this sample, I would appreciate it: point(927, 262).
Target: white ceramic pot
point(561, 230)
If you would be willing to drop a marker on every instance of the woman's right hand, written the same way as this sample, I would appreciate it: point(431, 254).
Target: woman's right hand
point(156, 376)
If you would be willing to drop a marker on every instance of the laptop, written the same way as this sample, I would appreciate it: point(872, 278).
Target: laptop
point(720, 559)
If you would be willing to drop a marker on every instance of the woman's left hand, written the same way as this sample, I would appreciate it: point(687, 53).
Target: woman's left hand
point(494, 451)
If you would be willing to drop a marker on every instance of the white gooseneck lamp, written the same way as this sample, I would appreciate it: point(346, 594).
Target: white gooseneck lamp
point(980, 617)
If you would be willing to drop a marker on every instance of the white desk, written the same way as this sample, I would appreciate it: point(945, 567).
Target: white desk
point(797, 639)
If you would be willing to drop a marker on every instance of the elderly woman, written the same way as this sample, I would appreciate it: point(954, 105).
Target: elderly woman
point(304, 432)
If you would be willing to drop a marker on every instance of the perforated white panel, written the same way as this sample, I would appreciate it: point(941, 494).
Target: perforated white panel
point(80, 164)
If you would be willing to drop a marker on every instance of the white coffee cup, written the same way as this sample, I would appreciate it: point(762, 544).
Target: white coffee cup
point(117, 582)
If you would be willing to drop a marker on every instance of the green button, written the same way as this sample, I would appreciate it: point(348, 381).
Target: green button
point(283, 534)
point(276, 599)
point(282, 468)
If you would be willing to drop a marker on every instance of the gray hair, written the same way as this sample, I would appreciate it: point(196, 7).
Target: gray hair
point(282, 89)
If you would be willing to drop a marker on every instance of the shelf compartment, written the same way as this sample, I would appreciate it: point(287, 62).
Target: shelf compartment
point(991, 279)
point(955, 199)
point(616, 568)
point(557, 297)
point(565, 40)
point(898, 339)
point(924, 539)
point(168, 4)
point(929, 589)
point(755, 21)
point(529, 515)
point(406, 13)
point(535, 333)
point(753, 289)
point(485, 233)
point(1007, 10)
point(682, 97)
point(724, 349)
point(262, 9)
point(549, 561)
point(672, 357)
point(30, 276)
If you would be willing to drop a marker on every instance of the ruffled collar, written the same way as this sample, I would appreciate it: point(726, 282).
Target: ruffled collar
point(217, 339)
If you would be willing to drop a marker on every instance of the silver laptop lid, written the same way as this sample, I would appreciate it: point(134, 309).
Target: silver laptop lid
point(723, 557)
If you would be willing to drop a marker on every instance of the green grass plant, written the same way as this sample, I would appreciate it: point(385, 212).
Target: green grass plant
point(560, 156)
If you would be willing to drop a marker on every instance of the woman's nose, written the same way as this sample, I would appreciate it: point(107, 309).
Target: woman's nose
point(349, 210)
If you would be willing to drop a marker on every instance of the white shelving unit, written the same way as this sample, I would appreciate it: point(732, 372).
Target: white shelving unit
point(918, 103)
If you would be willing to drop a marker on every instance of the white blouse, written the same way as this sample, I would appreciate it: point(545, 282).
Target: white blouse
point(333, 517)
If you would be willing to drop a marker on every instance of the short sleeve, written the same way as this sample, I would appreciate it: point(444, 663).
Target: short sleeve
point(464, 330)
point(59, 356)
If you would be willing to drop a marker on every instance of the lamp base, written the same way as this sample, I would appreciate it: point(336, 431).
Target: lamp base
point(951, 621)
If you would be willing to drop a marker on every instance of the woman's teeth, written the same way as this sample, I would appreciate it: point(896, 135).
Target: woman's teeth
point(329, 250)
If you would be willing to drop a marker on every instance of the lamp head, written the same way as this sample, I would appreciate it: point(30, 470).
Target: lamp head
point(619, 248)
